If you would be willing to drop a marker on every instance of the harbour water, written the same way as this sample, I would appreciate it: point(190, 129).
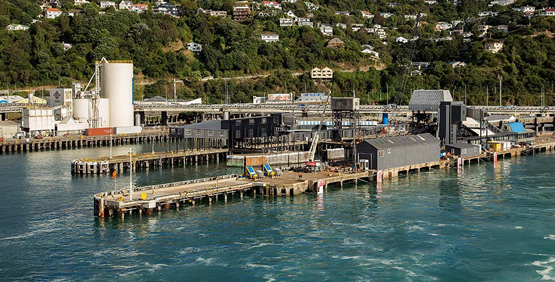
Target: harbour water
point(483, 223)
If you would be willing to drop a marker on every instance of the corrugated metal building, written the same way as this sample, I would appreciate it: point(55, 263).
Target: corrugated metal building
point(384, 153)
point(428, 100)
point(463, 149)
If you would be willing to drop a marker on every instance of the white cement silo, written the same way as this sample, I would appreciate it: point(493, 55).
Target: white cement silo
point(104, 113)
point(82, 110)
point(117, 85)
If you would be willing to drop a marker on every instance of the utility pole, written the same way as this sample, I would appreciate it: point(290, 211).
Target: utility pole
point(465, 94)
point(226, 93)
point(130, 174)
point(487, 95)
point(500, 88)
point(387, 89)
point(166, 86)
point(174, 91)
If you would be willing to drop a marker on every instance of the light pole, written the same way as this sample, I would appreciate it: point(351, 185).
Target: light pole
point(500, 88)
point(111, 146)
point(130, 174)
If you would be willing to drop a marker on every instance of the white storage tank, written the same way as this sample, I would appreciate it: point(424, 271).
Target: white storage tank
point(82, 109)
point(117, 85)
point(105, 111)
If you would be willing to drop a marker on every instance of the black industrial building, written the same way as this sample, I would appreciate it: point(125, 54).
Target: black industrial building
point(463, 149)
point(237, 133)
point(385, 153)
point(201, 135)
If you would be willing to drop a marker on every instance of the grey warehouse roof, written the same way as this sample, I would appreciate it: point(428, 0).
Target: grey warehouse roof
point(402, 141)
point(213, 124)
point(428, 100)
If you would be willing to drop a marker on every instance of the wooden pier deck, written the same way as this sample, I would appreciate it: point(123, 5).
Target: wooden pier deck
point(146, 160)
point(173, 195)
point(79, 141)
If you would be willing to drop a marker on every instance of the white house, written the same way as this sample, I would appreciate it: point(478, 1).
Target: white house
point(194, 47)
point(501, 2)
point(289, 1)
point(305, 23)
point(326, 29)
point(457, 64)
point(493, 47)
point(291, 14)
point(107, 4)
point(411, 17)
point(269, 37)
point(66, 46)
point(14, 27)
point(548, 12)
point(341, 25)
point(125, 5)
point(285, 22)
point(271, 4)
point(443, 26)
point(430, 2)
point(529, 10)
point(366, 14)
point(139, 8)
point(371, 52)
point(386, 15)
point(52, 13)
point(343, 13)
point(357, 27)
point(401, 39)
point(80, 2)
point(325, 73)
point(487, 13)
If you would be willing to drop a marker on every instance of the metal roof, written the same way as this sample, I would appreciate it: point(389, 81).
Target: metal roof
point(428, 100)
point(213, 124)
point(402, 141)
point(517, 127)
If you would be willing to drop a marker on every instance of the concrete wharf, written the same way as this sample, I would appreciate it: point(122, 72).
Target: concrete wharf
point(148, 199)
point(80, 141)
point(146, 160)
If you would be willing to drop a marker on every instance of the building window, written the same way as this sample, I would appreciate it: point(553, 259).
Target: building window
point(238, 133)
point(263, 121)
point(198, 132)
point(380, 153)
point(388, 151)
point(251, 133)
point(238, 123)
point(188, 132)
point(210, 132)
point(251, 121)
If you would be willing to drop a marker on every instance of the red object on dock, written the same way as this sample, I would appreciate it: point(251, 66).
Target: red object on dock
point(310, 163)
point(99, 131)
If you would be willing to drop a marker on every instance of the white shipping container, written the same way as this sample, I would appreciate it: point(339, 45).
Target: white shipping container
point(127, 129)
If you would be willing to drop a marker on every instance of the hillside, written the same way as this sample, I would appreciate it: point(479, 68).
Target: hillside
point(64, 49)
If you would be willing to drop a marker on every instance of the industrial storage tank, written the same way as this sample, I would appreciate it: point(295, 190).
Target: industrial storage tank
point(117, 85)
point(82, 110)
point(104, 113)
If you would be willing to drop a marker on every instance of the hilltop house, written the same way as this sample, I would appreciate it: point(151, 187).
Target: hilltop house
point(125, 5)
point(269, 37)
point(194, 47)
point(366, 14)
point(336, 43)
point(493, 47)
point(325, 73)
point(107, 4)
point(52, 13)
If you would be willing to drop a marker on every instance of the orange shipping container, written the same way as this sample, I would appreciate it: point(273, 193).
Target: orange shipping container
point(99, 131)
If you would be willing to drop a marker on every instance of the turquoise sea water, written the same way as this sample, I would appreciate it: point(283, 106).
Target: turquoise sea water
point(484, 223)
